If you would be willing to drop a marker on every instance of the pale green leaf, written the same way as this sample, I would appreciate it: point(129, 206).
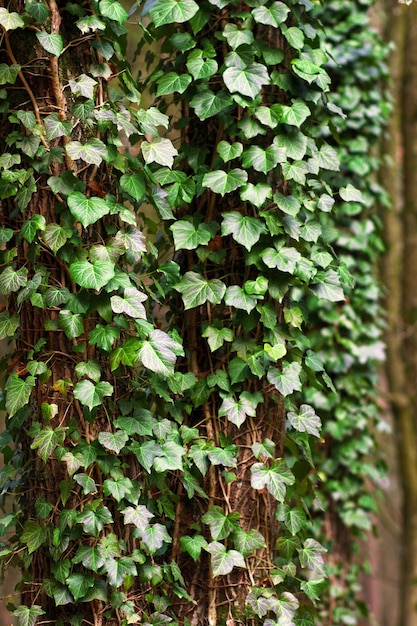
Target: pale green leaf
point(155, 536)
point(18, 392)
point(223, 182)
point(138, 515)
point(275, 15)
point(223, 561)
point(83, 85)
point(113, 441)
point(113, 10)
point(199, 66)
point(27, 616)
point(92, 152)
point(51, 42)
point(207, 103)
point(158, 353)
point(288, 380)
point(187, 236)
point(196, 290)
point(130, 304)
point(172, 82)
point(92, 275)
point(170, 11)
point(159, 150)
point(247, 81)
point(91, 395)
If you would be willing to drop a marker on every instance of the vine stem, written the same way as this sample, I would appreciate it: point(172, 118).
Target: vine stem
point(28, 89)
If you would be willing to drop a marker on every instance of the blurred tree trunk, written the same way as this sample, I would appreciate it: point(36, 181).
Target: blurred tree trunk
point(398, 175)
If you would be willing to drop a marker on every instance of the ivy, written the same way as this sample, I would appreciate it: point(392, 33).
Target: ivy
point(166, 266)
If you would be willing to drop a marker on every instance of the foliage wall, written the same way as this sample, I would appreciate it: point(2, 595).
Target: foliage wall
point(164, 269)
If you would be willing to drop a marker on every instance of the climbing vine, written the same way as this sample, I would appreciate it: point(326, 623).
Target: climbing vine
point(157, 260)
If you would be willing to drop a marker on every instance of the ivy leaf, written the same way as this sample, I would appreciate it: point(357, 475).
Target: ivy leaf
point(91, 395)
point(104, 336)
point(46, 440)
point(223, 182)
point(34, 535)
point(229, 151)
point(193, 545)
point(92, 152)
point(55, 127)
point(113, 441)
point(313, 589)
point(236, 36)
point(256, 194)
point(170, 457)
point(117, 570)
point(274, 478)
point(207, 103)
point(18, 392)
point(172, 82)
point(221, 525)
point(329, 286)
point(288, 380)
point(248, 80)
point(187, 236)
point(113, 10)
point(155, 536)
point(92, 275)
point(306, 420)
point(263, 160)
point(117, 488)
point(138, 515)
point(12, 280)
point(28, 616)
point(79, 584)
point(350, 194)
point(245, 230)
point(8, 73)
point(237, 410)
point(87, 210)
point(170, 11)
point(86, 482)
point(246, 543)
point(159, 150)
point(51, 42)
point(223, 561)
point(146, 453)
point(10, 21)
point(134, 185)
point(283, 259)
point(295, 114)
point(311, 556)
point(8, 324)
point(71, 323)
point(196, 290)
point(158, 353)
point(94, 517)
point(217, 336)
point(92, 369)
point(199, 67)
point(83, 85)
point(130, 304)
point(275, 15)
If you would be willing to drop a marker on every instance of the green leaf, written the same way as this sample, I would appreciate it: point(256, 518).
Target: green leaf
point(12, 280)
point(130, 304)
point(86, 482)
point(229, 151)
point(79, 584)
point(118, 570)
point(246, 543)
point(84, 86)
point(104, 336)
point(262, 160)
point(170, 11)
point(282, 258)
point(46, 440)
point(155, 536)
point(159, 150)
point(30, 228)
point(38, 10)
point(305, 421)
point(248, 80)
point(196, 290)
point(34, 535)
point(256, 194)
point(138, 515)
point(223, 561)
point(113, 10)
point(91, 395)
point(237, 36)
point(134, 185)
point(10, 21)
point(93, 518)
point(8, 324)
point(311, 556)
point(288, 380)
point(223, 182)
point(221, 525)
point(328, 286)
point(237, 297)
point(350, 194)
point(200, 67)
point(207, 103)
point(275, 15)
point(295, 114)
point(92, 275)
point(170, 457)
point(8, 73)
point(158, 353)
point(92, 152)
point(274, 478)
point(55, 127)
point(18, 392)
point(113, 441)
point(71, 323)
point(217, 336)
point(172, 82)
point(28, 616)
point(117, 488)
point(51, 42)
point(193, 545)
point(87, 210)
point(313, 590)
point(187, 236)
point(245, 230)
point(237, 410)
